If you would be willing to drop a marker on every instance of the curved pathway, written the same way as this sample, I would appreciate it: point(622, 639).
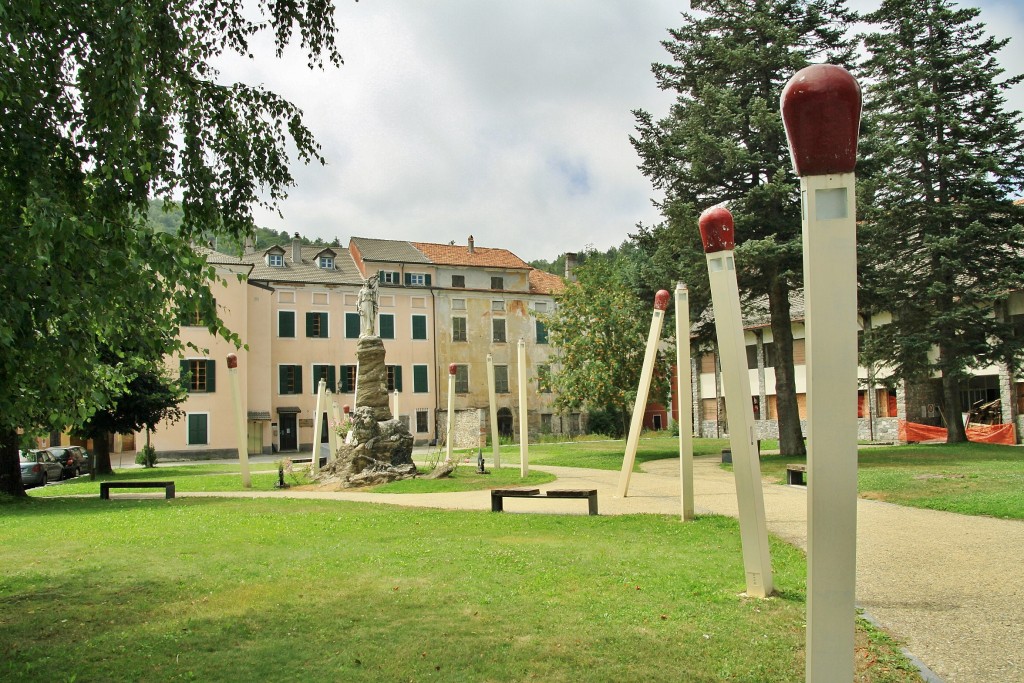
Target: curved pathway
point(943, 583)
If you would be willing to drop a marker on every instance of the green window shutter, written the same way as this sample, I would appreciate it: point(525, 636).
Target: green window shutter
point(346, 384)
point(286, 323)
point(298, 378)
point(183, 376)
point(282, 384)
point(419, 327)
point(331, 378)
point(324, 332)
point(387, 326)
point(542, 333)
point(398, 378)
point(309, 324)
point(419, 379)
point(211, 376)
point(408, 279)
point(197, 433)
point(352, 326)
point(427, 281)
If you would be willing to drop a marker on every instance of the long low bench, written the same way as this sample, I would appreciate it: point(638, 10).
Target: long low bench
point(498, 496)
point(167, 486)
point(796, 475)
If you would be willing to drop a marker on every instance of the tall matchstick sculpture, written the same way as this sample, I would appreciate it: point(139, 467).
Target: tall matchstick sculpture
point(684, 401)
point(243, 443)
point(718, 235)
point(644, 388)
point(821, 111)
point(452, 369)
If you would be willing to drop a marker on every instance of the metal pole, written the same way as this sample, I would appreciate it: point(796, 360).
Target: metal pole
point(821, 111)
point(644, 388)
point(716, 231)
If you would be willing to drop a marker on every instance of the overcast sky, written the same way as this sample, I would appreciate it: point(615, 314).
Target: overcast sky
point(508, 120)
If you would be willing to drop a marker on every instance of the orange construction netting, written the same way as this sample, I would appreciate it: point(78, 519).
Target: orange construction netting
point(1001, 434)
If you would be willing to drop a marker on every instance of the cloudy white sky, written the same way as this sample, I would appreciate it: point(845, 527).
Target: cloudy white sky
point(505, 119)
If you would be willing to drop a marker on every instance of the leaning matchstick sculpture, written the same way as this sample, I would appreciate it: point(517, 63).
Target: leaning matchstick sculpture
point(644, 388)
point(718, 234)
point(821, 111)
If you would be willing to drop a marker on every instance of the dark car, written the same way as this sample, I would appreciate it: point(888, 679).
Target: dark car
point(39, 467)
point(71, 459)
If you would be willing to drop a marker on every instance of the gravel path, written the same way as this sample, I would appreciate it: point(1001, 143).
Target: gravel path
point(942, 583)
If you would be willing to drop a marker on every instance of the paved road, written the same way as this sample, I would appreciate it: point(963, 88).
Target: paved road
point(945, 584)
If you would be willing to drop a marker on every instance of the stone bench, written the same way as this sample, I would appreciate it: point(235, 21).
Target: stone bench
point(796, 475)
point(167, 486)
point(498, 496)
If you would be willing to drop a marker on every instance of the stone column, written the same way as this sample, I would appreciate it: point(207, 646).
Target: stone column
point(372, 378)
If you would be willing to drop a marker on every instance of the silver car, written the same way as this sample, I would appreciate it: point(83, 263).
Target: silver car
point(39, 467)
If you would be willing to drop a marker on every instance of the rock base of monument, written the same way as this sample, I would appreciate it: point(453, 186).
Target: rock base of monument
point(374, 452)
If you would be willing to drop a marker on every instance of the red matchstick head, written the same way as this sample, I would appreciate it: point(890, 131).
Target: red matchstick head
point(716, 230)
point(452, 368)
point(232, 361)
point(346, 409)
point(661, 300)
point(821, 112)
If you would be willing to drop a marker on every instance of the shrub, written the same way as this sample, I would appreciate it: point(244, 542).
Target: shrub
point(146, 457)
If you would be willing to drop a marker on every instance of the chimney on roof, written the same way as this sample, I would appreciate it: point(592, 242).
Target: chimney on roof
point(296, 249)
point(471, 244)
point(570, 266)
point(250, 243)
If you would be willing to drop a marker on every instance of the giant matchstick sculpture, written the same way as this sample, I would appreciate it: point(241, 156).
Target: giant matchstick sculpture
point(685, 405)
point(821, 111)
point(718, 235)
point(243, 443)
point(644, 388)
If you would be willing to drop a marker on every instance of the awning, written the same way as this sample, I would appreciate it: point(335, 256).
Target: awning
point(288, 409)
point(258, 415)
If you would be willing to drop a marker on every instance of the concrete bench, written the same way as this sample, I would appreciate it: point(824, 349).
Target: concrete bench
point(498, 496)
point(167, 486)
point(796, 475)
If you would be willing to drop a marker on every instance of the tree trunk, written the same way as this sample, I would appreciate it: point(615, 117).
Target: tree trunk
point(791, 438)
point(955, 432)
point(101, 455)
point(10, 467)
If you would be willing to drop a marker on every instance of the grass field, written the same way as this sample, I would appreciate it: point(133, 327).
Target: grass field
point(251, 590)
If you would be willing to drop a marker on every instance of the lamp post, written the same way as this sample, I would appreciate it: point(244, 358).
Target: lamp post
point(821, 112)
point(718, 235)
point(236, 399)
point(643, 389)
point(685, 420)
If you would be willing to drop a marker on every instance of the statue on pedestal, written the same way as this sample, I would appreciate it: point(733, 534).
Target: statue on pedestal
point(368, 306)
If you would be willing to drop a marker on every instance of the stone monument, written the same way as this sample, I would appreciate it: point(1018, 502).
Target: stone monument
point(378, 447)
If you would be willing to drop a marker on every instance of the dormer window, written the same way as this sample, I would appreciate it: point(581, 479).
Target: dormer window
point(275, 260)
point(326, 262)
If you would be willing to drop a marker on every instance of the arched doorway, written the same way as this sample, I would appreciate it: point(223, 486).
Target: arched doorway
point(504, 422)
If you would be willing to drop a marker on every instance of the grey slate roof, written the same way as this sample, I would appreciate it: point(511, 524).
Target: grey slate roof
point(393, 251)
point(307, 272)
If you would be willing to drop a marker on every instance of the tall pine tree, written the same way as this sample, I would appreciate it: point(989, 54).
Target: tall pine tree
point(943, 242)
point(723, 141)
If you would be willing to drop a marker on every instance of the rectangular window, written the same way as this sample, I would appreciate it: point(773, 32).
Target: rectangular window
point(351, 326)
point(417, 280)
point(459, 281)
point(275, 260)
point(544, 379)
point(542, 332)
point(540, 307)
point(195, 316)
point(419, 327)
point(389, 277)
point(421, 421)
point(326, 262)
point(325, 372)
point(201, 375)
point(198, 429)
point(498, 330)
point(420, 379)
point(752, 357)
point(498, 305)
point(461, 379)
point(290, 379)
point(286, 323)
point(501, 379)
point(497, 283)
point(316, 325)
point(459, 332)
point(387, 326)
point(347, 383)
point(394, 377)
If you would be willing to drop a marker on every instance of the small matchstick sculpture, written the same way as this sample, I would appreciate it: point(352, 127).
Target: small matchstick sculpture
point(718, 234)
point(821, 111)
point(243, 442)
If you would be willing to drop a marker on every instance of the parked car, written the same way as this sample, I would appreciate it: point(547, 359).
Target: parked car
point(74, 459)
point(39, 467)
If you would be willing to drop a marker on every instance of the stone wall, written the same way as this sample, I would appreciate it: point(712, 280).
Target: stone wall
point(885, 429)
point(465, 428)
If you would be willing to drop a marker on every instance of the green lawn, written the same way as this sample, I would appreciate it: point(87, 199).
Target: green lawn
point(971, 478)
point(252, 590)
point(607, 455)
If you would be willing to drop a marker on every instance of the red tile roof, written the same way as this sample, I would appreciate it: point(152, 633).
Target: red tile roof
point(458, 255)
point(542, 282)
